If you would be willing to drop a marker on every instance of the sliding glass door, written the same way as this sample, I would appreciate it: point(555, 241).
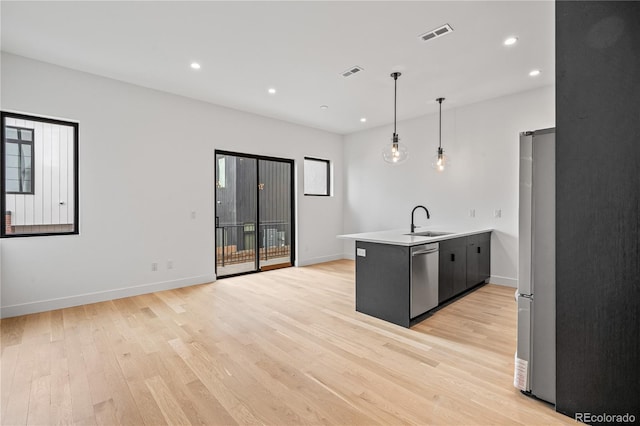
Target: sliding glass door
point(236, 214)
point(254, 213)
point(275, 213)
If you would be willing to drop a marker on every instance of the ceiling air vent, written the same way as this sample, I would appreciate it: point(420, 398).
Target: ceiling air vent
point(438, 32)
point(351, 71)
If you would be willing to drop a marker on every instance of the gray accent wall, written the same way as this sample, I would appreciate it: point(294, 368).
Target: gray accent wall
point(598, 207)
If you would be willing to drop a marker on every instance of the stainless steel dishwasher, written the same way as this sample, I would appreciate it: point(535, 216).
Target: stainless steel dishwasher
point(424, 278)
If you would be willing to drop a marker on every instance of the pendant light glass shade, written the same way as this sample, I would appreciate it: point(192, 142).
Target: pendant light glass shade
point(394, 153)
point(440, 160)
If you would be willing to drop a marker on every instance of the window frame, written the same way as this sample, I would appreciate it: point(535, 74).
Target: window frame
point(21, 142)
point(76, 173)
point(328, 183)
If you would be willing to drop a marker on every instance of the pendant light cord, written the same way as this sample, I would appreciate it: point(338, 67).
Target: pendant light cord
point(395, 99)
point(440, 129)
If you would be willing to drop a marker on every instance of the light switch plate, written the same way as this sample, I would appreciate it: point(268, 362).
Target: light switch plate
point(361, 252)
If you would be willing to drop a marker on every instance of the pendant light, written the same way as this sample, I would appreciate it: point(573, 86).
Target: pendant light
point(394, 153)
point(440, 161)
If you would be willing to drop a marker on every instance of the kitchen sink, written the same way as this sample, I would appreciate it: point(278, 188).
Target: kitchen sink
point(429, 234)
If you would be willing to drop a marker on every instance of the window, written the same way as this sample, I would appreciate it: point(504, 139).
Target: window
point(317, 177)
point(39, 176)
point(19, 160)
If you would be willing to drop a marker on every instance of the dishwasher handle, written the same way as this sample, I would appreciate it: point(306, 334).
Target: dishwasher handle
point(421, 252)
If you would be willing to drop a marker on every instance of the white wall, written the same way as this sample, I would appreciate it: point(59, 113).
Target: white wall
point(482, 140)
point(146, 162)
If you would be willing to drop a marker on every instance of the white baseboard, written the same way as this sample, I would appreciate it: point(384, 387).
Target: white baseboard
point(100, 296)
point(314, 260)
point(504, 281)
point(350, 256)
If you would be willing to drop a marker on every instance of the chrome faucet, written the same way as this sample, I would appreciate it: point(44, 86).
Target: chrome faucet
point(413, 227)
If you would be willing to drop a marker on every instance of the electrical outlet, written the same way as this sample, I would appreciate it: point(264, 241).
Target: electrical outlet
point(154, 267)
point(497, 213)
point(169, 264)
point(472, 212)
point(193, 214)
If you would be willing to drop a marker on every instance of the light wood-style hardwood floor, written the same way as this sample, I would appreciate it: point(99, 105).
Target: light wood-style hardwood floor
point(283, 347)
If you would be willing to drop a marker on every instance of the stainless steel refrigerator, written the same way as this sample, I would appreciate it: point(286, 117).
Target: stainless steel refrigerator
point(535, 364)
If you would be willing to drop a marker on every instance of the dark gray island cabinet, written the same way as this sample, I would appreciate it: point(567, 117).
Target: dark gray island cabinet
point(383, 274)
point(464, 263)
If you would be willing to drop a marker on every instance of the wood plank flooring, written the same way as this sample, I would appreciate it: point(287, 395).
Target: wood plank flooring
point(283, 347)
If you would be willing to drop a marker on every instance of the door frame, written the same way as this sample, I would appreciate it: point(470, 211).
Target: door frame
point(256, 157)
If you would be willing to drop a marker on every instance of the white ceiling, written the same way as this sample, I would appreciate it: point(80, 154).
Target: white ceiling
point(300, 48)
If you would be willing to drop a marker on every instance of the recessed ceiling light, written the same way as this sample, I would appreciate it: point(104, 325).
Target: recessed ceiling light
point(271, 91)
point(195, 65)
point(534, 73)
point(511, 41)
point(324, 106)
point(363, 120)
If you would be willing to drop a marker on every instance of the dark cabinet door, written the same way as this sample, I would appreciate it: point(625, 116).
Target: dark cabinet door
point(452, 274)
point(478, 259)
point(472, 261)
point(484, 256)
point(445, 275)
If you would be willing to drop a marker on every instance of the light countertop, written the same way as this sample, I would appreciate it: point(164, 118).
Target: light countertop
point(398, 236)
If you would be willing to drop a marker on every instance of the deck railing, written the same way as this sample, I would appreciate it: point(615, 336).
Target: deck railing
point(236, 242)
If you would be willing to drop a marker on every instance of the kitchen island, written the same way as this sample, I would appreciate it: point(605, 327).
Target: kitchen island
point(402, 277)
